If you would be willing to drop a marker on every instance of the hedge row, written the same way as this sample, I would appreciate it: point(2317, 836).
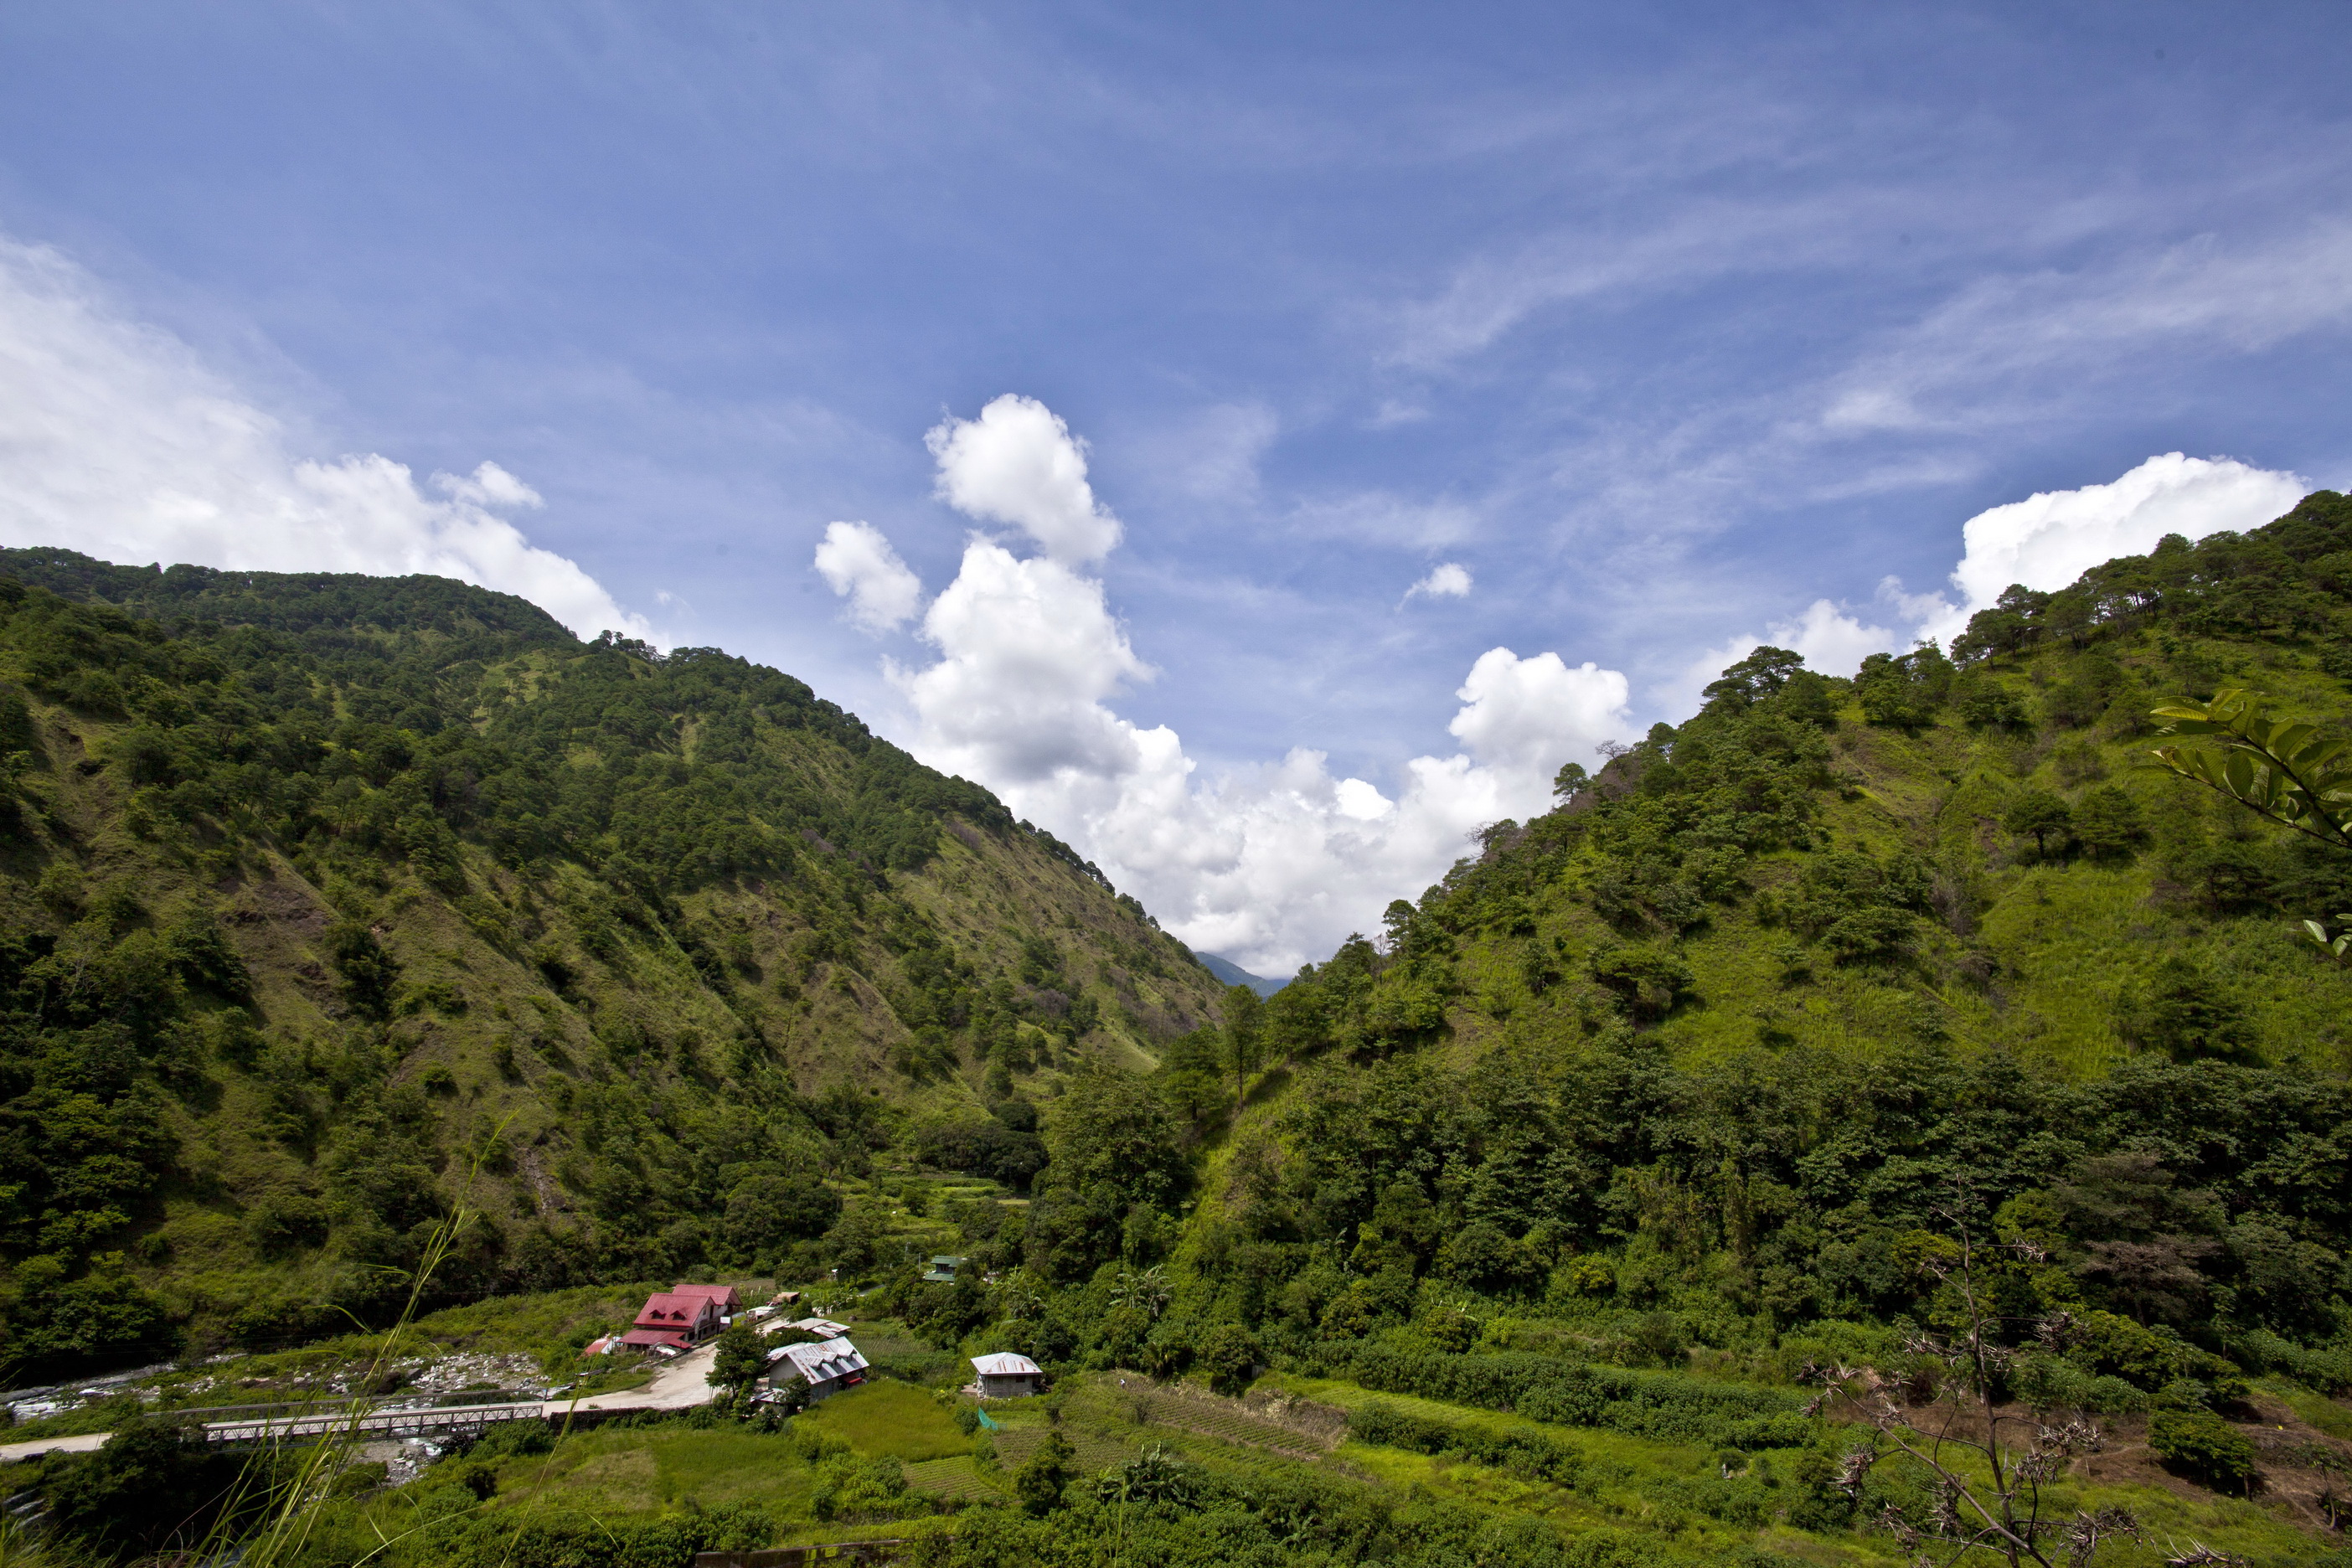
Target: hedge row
point(1666, 1406)
point(1531, 1455)
point(2327, 1369)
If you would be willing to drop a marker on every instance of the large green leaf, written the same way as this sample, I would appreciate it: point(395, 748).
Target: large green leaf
point(2293, 773)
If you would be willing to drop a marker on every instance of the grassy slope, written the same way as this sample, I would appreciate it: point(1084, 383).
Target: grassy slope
point(2064, 938)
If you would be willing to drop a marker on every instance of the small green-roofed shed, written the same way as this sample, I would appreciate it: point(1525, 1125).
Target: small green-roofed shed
point(942, 1270)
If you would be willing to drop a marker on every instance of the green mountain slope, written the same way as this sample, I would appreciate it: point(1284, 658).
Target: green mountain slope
point(1233, 973)
point(1702, 1080)
point(1712, 1054)
point(325, 899)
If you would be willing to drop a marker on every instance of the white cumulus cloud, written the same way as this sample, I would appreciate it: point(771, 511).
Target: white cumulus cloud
point(1019, 464)
point(1517, 712)
point(117, 441)
point(1029, 651)
point(1446, 580)
point(1271, 865)
point(856, 561)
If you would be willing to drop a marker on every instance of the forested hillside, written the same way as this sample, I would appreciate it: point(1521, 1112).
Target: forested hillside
point(326, 902)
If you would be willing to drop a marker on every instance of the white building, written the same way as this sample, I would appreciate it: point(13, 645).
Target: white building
point(826, 1368)
point(1007, 1376)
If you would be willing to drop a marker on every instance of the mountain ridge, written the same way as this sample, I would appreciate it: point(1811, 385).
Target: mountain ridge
point(1233, 973)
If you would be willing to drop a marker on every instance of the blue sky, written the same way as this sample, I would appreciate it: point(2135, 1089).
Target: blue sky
point(1662, 323)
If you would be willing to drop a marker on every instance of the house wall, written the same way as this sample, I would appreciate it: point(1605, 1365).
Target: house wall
point(1001, 1387)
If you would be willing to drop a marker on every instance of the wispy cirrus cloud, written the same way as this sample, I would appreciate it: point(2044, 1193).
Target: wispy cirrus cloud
point(1986, 354)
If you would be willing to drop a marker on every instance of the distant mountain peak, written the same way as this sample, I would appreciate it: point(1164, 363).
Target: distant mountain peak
point(1233, 973)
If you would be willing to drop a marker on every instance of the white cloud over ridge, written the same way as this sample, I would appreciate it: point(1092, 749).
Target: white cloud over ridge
point(2044, 542)
point(1270, 864)
point(858, 560)
point(1030, 652)
point(116, 441)
point(2053, 537)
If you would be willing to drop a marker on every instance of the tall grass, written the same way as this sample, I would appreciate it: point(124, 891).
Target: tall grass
point(292, 1503)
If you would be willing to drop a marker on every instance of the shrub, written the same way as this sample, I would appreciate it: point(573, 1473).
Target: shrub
point(2204, 1444)
point(1872, 935)
point(2327, 1369)
point(1648, 978)
point(854, 1488)
point(1039, 1484)
point(2047, 1382)
point(1530, 1455)
point(1230, 1356)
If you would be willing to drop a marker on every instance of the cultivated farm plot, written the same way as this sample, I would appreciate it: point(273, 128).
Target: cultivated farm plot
point(889, 1418)
point(1229, 1421)
point(625, 1470)
point(958, 1480)
point(1096, 1451)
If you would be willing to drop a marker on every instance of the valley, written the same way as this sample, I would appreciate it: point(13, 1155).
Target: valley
point(1860, 1059)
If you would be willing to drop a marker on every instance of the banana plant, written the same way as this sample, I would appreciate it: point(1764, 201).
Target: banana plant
point(2294, 774)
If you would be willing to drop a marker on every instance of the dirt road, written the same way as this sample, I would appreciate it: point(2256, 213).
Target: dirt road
point(81, 1442)
point(677, 1385)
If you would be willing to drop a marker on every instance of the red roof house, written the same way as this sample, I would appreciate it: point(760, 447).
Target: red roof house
point(673, 1320)
point(722, 1296)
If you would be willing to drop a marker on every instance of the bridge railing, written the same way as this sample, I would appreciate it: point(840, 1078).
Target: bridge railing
point(378, 1422)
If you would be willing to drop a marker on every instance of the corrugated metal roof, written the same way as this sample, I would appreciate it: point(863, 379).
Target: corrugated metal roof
point(821, 1363)
point(1004, 1363)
